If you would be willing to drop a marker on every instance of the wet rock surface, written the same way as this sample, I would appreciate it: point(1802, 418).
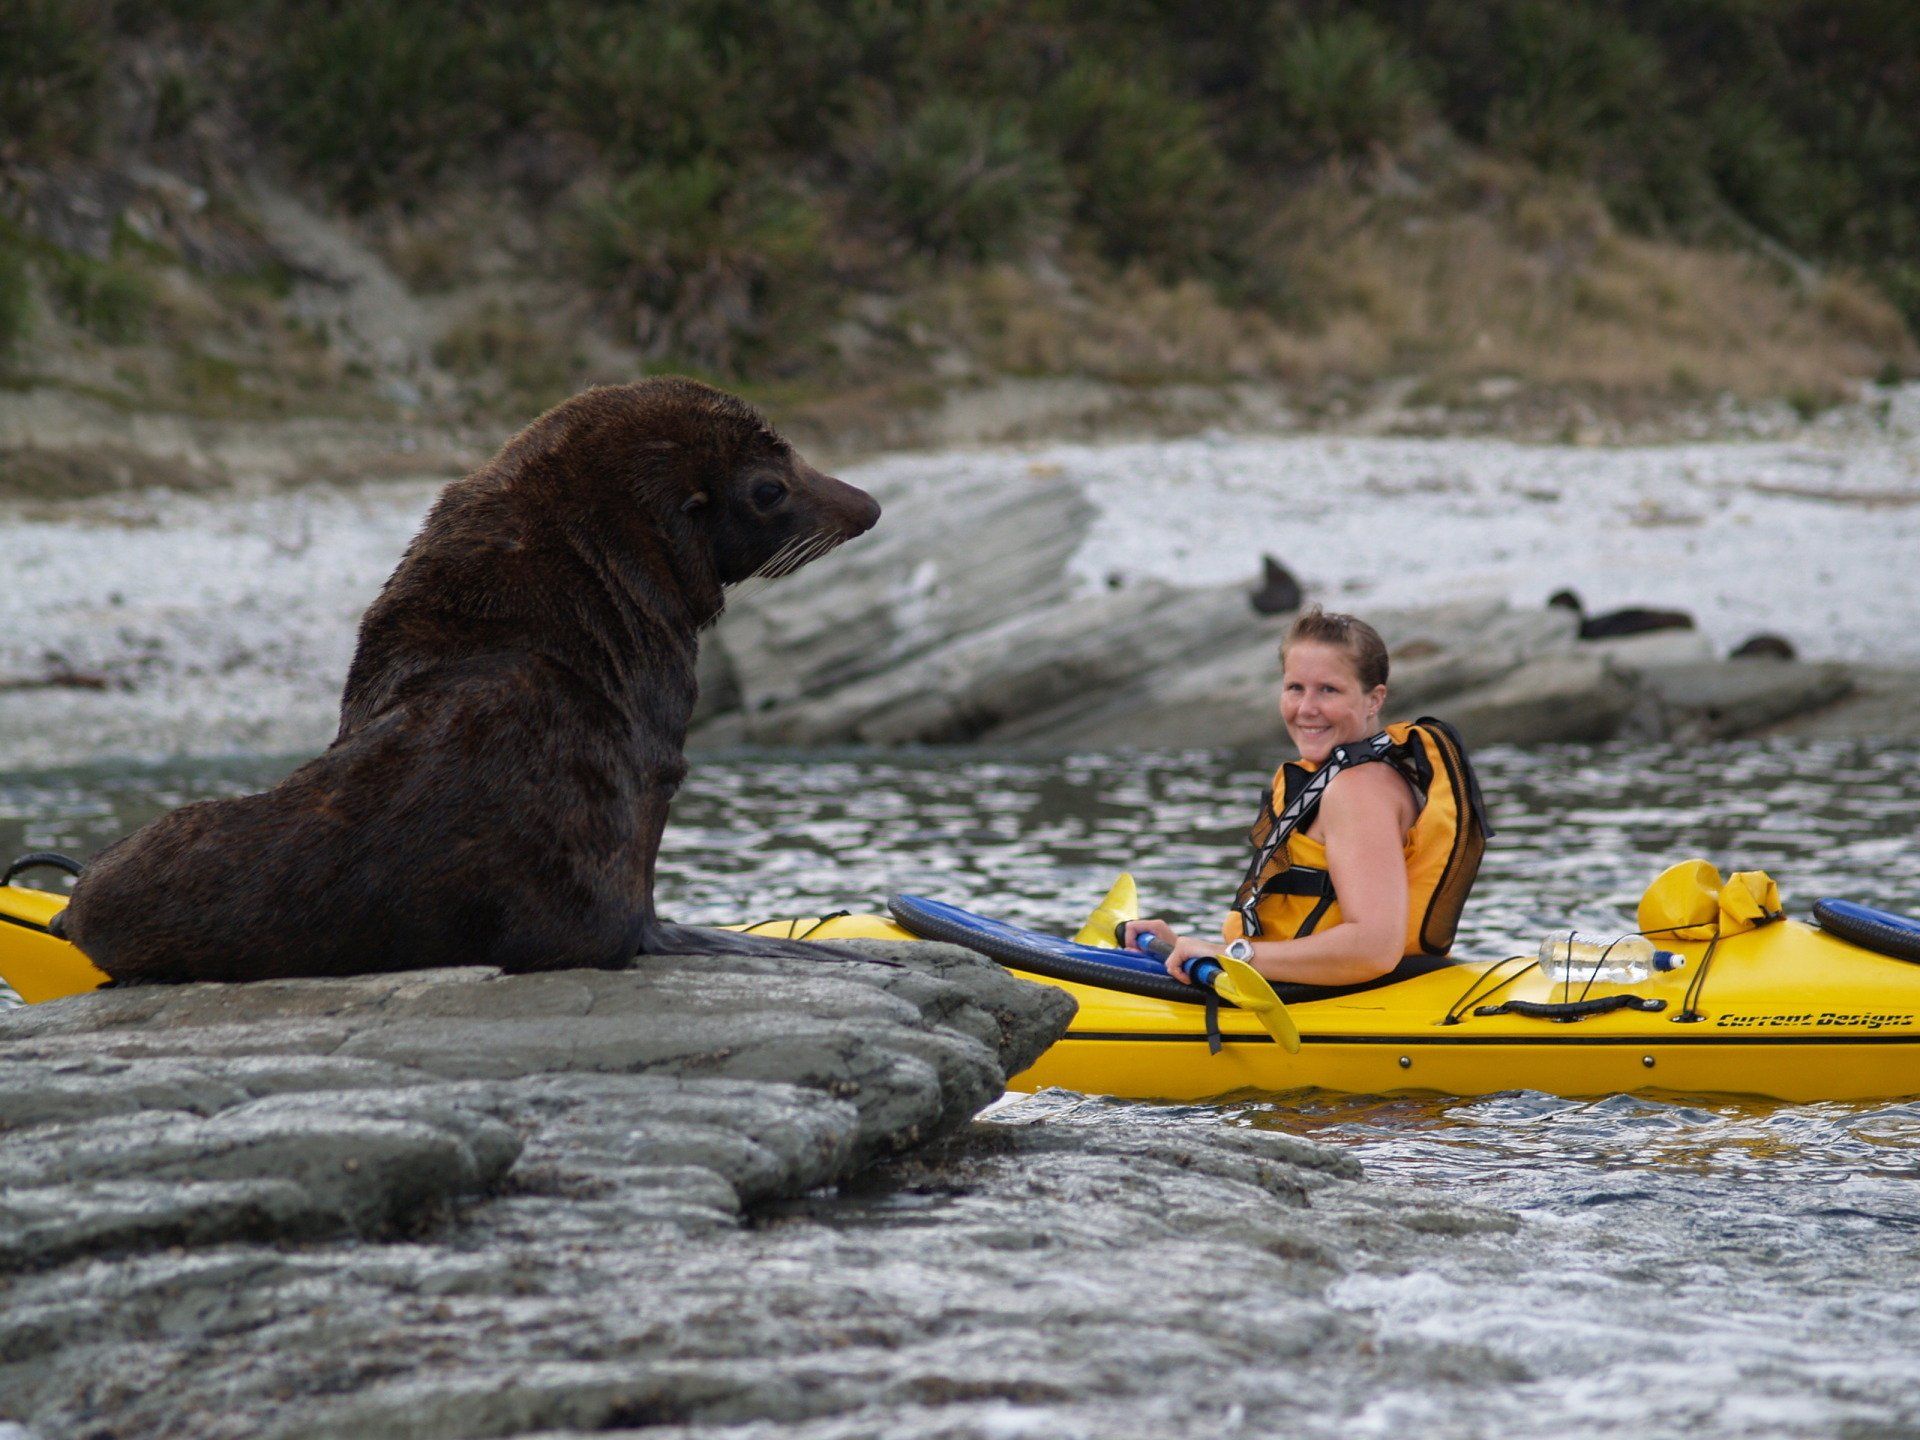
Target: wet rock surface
point(146, 1133)
point(680, 1199)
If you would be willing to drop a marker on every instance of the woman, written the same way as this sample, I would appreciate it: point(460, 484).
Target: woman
point(1356, 864)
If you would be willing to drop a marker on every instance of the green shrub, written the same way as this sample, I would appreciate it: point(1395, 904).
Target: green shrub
point(646, 88)
point(1900, 281)
point(51, 67)
point(671, 81)
point(111, 300)
point(1575, 79)
point(790, 68)
point(706, 257)
point(1339, 87)
point(512, 354)
point(1583, 88)
point(180, 95)
point(378, 97)
point(1772, 177)
point(16, 297)
point(1148, 178)
point(660, 216)
point(961, 179)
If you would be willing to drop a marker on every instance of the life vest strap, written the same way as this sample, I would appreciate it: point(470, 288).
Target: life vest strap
point(1298, 880)
point(1294, 815)
point(1430, 757)
point(1302, 880)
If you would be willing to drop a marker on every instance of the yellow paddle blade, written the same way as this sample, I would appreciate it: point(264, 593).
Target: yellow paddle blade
point(1243, 986)
point(1122, 904)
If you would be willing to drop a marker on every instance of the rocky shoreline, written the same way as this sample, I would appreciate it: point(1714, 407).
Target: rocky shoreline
point(1059, 598)
point(690, 1198)
point(912, 638)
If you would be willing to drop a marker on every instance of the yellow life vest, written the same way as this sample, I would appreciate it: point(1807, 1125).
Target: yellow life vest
point(1288, 890)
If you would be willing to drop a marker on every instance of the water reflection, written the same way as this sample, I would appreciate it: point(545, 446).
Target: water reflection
point(1038, 839)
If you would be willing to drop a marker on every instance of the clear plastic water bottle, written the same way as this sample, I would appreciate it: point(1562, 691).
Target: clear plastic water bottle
point(1574, 957)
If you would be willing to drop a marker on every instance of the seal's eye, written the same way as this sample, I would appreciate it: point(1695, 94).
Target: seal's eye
point(766, 494)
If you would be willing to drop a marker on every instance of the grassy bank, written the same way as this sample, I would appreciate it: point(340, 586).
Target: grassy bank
point(1662, 197)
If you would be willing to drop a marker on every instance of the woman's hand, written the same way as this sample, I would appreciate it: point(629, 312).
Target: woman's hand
point(1178, 951)
point(1159, 929)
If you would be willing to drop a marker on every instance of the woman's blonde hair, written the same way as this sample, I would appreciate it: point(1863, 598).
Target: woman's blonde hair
point(1360, 641)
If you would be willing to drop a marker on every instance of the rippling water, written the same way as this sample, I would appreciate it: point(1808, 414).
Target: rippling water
point(1038, 840)
point(1737, 1268)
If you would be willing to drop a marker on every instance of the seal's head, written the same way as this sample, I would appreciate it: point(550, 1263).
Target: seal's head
point(766, 511)
point(703, 469)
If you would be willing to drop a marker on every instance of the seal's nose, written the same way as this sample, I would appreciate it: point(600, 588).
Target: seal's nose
point(869, 512)
point(858, 511)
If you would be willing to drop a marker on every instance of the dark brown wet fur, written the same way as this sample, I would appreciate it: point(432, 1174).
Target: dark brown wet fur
point(512, 726)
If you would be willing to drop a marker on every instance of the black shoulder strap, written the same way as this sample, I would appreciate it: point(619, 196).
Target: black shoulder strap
point(1298, 806)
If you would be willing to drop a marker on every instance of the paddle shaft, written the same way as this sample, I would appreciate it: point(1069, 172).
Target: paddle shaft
point(1241, 986)
point(1204, 970)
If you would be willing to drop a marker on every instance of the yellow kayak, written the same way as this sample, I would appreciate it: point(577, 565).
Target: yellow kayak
point(1787, 1010)
point(34, 965)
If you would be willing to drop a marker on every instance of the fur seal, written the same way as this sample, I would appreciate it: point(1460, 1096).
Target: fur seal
point(1764, 646)
point(1278, 592)
point(1634, 620)
point(512, 725)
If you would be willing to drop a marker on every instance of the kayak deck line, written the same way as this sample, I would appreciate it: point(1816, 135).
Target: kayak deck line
point(1640, 1042)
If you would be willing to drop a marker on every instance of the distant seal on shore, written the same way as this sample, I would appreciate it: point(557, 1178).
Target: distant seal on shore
point(512, 726)
point(1278, 593)
point(1764, 646)
point(1634, 620)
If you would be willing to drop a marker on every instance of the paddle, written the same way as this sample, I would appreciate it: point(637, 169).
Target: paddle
point(1107, 924)
point(1240, 985)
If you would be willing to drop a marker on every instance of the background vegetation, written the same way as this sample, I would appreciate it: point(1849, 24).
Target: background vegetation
point(723, 173)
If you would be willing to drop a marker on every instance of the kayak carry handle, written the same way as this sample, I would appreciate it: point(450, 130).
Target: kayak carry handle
point(37, 859)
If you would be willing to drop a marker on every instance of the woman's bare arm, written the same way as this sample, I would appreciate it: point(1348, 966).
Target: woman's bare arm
point(1365, 815)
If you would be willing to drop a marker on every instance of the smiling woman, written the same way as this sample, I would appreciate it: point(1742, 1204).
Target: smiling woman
point(1356, 865)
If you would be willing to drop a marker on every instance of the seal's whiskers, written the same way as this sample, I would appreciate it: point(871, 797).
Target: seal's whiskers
point(802, 551)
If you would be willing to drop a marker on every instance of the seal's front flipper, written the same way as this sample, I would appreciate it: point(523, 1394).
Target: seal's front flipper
point(663, 938)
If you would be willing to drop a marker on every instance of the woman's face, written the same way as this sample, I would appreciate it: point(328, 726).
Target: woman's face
point(1322, 701)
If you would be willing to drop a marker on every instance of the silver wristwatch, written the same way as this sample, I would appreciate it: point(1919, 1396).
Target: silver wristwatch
point(1241, 949)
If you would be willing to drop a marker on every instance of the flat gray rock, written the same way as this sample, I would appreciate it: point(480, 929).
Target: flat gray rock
point(693, 1198)
point(1061, 1269)
point(1721, 699)
point(373, 1106)
point(1556, 698)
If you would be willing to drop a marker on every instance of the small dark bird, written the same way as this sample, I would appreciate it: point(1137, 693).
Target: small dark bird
point(1278, 592)
point(1764, 646)
point(1634, 620)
